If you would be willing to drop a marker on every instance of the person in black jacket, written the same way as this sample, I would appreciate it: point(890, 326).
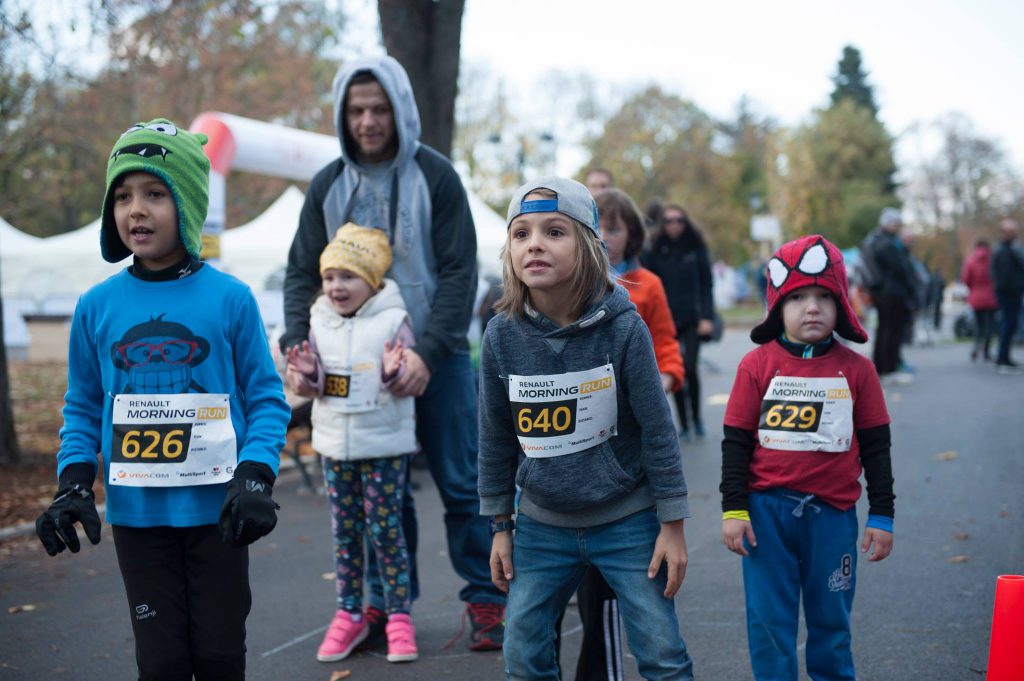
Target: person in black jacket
point(893, 294)
point(679, 256)
point(1008, 276)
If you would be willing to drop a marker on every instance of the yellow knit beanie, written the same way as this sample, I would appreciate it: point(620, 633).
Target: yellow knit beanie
point(362, 250)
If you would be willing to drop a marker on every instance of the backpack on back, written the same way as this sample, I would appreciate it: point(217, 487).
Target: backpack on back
point(867, 273)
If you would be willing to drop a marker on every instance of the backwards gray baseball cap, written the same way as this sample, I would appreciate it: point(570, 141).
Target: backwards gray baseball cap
point(571, 198)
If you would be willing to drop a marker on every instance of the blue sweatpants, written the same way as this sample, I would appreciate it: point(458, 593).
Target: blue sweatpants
point(804, 546)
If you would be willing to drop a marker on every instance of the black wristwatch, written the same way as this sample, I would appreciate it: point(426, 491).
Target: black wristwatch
point(502, 526)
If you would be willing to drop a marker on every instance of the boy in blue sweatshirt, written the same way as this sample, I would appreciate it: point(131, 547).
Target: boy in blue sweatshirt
point(170, 379)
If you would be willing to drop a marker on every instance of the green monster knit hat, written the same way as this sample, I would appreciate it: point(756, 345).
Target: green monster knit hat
point(175, 156)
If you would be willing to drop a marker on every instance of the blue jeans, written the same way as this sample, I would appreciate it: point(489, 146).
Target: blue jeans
point(1009, 317)
point(548, 563)
point(803, 545)
point(446, 426)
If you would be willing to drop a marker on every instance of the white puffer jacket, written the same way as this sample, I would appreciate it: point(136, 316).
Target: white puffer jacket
point(357, 417)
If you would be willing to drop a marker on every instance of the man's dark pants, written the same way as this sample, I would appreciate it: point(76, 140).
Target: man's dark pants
point(1009, 311)
point(893, 315)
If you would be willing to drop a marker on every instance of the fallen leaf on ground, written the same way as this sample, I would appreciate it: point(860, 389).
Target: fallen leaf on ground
point(946, 456)
point(1003, 514)
point(15, 609)
point(343, 674)
point(959, 559)
point(962, 536)
point(303, 539)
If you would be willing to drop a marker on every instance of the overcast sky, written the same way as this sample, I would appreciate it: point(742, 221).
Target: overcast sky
point(923, 58)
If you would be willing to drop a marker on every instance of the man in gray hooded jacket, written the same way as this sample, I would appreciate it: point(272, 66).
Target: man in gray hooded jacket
point(385, 178)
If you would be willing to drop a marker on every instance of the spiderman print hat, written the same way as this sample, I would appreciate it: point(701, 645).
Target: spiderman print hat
point(808, 261)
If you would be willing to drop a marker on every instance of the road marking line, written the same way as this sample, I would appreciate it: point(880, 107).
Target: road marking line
point(297, 639)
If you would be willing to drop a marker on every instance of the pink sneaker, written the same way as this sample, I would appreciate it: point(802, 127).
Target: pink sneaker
point(342, 637)
point(401, 639)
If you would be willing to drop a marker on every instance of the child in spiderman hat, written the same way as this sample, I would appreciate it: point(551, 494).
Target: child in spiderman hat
point(805, 414)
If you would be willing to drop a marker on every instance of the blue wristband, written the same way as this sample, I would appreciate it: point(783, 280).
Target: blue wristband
point(880, 522)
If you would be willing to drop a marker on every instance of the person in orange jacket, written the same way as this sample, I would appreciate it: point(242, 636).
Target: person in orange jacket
point(622, 228)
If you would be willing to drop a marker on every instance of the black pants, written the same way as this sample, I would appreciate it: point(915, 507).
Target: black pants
point(1009, 316)
point(188, 597)
point(689, 344)
point(893, 316)
point(601, 649)
point(984, 329)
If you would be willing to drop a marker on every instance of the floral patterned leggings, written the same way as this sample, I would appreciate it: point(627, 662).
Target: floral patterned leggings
point(366, 500)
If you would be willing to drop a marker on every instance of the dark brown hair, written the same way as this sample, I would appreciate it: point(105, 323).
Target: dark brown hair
point(692, 234)
point(614, 204)
point(362, 78)
point(601, 171)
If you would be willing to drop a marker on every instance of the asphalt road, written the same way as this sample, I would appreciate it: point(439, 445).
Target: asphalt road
point(922, 614)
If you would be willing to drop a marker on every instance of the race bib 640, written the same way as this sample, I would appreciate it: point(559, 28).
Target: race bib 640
point(559, 414)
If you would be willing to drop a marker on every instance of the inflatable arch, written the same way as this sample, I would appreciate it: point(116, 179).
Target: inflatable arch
point(238, 143)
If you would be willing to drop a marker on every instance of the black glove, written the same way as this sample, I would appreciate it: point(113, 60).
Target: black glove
point(74, 502)
point(249, 512)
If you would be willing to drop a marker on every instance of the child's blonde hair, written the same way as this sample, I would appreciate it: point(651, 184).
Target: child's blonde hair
point(591, 276)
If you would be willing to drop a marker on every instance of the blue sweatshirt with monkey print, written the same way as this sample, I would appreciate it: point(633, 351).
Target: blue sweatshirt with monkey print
point(132, 338)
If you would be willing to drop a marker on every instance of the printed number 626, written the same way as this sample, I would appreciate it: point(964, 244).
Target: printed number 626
point(162, 443)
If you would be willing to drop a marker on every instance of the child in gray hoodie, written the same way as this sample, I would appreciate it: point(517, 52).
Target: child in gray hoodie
point(572, 413)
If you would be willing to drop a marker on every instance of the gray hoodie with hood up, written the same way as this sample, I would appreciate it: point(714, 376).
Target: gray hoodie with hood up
point(639, 467)
point(428, 223)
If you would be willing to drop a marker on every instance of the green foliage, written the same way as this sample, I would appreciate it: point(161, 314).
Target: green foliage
point(254, 58)
point(837, 175)
point(661, 147)
point(851, 82)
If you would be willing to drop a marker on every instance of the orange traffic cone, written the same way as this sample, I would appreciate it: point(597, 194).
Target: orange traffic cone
point(1005, 657)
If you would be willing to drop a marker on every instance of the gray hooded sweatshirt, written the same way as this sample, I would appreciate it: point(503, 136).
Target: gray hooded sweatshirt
point(420, 203)
point(639, 467)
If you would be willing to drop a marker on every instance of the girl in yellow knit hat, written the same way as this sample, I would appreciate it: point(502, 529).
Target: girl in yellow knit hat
point(359, 329)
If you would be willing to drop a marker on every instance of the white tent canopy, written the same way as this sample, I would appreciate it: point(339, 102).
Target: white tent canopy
point(61, 266)
point(46, 276)
point(70, 263)
point(14, 242)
